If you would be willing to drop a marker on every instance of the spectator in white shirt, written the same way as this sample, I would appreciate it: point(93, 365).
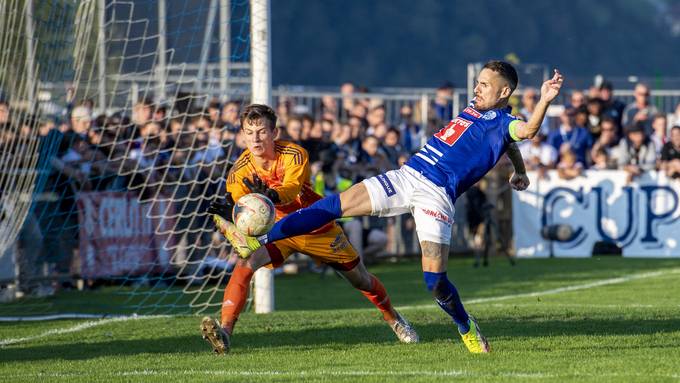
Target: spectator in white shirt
point(659, 135)
point(537, 154)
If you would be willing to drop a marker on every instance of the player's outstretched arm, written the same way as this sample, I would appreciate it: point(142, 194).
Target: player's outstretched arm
point(549, 91)
point(519, 179)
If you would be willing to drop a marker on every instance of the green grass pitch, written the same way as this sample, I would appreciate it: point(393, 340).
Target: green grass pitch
point(565, 320)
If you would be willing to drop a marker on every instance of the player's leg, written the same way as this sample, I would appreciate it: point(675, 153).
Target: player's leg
point(373, 289)
point(334, 249)
point(354, 201)
point(434, 262)
point(218, 334)
point(435, 259)
point(236, 292)
point(384, 195)
point(433, 214)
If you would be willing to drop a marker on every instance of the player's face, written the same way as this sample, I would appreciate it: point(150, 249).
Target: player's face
point(259, 137)
point(491, 90)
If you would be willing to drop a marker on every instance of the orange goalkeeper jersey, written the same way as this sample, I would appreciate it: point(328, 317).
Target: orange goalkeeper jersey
point(289, 175)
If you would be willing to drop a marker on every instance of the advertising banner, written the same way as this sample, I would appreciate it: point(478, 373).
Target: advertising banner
point(119, 236)
point(639, 216)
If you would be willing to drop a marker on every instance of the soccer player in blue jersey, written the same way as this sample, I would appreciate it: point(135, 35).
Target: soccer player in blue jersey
point(427, 186)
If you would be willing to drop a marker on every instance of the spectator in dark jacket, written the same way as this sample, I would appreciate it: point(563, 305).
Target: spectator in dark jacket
point(670, 154)
point(610, 106)
point(636, 153)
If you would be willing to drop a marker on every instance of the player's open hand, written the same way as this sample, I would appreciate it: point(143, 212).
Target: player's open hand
point(551, 88)
point(258, 186)
point(223, 208)
point(519, 181)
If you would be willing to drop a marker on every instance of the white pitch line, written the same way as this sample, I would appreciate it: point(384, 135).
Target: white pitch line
point(586, 305)
point(324, 373)
point(589, 285)
point(48, 317)
point(78, 327)
point(582, 286)
point(297, 374)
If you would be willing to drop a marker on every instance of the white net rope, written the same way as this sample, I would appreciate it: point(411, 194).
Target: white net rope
point(118, 182)
point(18, 143)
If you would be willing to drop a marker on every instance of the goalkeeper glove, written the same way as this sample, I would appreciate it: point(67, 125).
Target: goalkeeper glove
point(224, 208)
point(258, 186)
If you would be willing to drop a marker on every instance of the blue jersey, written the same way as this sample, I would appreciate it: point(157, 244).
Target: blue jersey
point(462, 152)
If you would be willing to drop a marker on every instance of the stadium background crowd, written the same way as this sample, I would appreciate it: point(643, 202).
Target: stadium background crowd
point(348, 139)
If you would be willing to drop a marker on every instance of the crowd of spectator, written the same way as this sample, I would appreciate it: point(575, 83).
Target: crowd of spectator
point(183, 152)
point(598, 131)
point(349, 138)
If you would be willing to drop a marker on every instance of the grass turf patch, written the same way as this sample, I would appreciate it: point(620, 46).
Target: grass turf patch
point(325, 331)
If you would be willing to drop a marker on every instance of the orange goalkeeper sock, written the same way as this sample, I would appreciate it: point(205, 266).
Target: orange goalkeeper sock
point(378, 296)
point(235, 295)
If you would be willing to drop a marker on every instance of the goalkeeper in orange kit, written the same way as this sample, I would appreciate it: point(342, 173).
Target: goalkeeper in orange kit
point(280, 170)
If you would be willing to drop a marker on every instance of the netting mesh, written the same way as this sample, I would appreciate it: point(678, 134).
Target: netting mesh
point(122, 125)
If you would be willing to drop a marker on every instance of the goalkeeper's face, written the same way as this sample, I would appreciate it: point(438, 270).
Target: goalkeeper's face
point(259, 137)
point(491, 91)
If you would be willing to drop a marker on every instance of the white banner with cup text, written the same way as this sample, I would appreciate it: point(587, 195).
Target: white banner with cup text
point(640, 216)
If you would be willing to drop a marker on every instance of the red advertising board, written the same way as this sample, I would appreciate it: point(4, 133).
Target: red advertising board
point(120, 236)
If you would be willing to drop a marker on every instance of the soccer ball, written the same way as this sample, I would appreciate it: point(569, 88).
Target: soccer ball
point(254, 214)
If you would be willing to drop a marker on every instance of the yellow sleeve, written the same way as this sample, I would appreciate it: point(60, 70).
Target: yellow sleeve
point(296, 174)
point(235, 184)
point(513, 129)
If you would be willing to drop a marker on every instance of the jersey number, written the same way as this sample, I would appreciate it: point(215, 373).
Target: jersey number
point(452, 132)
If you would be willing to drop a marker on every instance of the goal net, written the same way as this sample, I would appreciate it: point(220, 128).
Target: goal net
point(118, 123)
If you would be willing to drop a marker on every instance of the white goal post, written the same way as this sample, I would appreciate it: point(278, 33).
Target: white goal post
point(261, 75)
point(124, 199)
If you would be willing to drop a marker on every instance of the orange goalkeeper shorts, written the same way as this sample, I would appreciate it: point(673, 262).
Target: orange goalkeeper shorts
point(330, 247)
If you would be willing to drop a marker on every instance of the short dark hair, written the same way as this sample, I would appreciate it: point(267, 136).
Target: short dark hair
point(600, 150)
point(608, 120)
point(594, 100)
point(635, 127)
point(607, 85)
point(506, 71)
point(256, 112)
point(394, 130)
point(446, 86)
point(145, 101)
point(371, 137)
point(294, 118)
point(658, 116)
